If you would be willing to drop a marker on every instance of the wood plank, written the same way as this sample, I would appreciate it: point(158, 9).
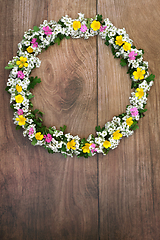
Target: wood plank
point(129, 184)
point(47, 196)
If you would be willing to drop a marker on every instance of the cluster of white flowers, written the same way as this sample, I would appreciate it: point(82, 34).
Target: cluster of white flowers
point(49, 33)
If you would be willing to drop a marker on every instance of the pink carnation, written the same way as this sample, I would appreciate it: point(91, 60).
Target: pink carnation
point(20, 112)
point(102, 28)
point(48, 138)
point(93, 146)
point(31, 131)
point(134, 111)
point(35, 44)
point(47, 30)
point(83, 28)
point(20, 75)
point(132, 55)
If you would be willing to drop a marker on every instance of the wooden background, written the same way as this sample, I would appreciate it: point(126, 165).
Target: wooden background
point(45, 197)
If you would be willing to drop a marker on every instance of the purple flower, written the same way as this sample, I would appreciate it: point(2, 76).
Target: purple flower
point(102, 28)
point(48, 138)
point(132, 55)
point(31, 131)
point(83, 28)
point(47, 30)
point(35, 44)
point(20, 75)
point(20, 112)
point(134, 111)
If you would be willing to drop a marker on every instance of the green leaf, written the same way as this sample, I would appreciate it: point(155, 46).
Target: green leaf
point(123, 62)
point(30, 104)
point(134, 126)
point(113, 50)
point(61, 36)
point(18, 127)
point(10, 66)
point(34, 141)
point(7, 88)
point(63, 128)
point(83, 141)
point(36, 29)
point(41, 113)
point(50, 150)
point(33, 82)
point(63, 148)
point(107, 41)
point(39, 124)
point(139, 56)
point(150, 78)
point(30, 96)
point(142, 50)
point(51, 131)
point(134, 85)
point(67, 37)
point(11, 106)
point(57, 40)
point(62, 23)
point(99, 129)
point(90, 154)
point(38, 40)
point(43, 130)
point(35, 111)
point(142, 110)
point(88, 25)
point(99, 18)
point(40, 119)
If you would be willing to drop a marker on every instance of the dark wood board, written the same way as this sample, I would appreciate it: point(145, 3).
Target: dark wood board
point(45, 196)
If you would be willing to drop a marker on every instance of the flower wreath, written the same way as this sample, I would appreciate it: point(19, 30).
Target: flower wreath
point(19, 85)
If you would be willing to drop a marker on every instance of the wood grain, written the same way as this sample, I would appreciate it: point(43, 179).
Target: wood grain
point(105, 198)
point(128, 176)
point(47, 196)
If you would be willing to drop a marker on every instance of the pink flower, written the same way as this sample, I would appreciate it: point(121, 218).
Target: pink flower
point(102, 28)
point(93, 146)
point(31, 131)
point(35, 44)
point(47, 30)
point(132, 55)
point(48, 138)
point(134, 111)
point(20, 112)
point(20, 75)
point(83, 28)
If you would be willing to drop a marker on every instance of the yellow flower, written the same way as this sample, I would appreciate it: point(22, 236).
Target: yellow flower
point(22, 62)
point(18, 88)
point(86, 148)
point(106, 144)
point(126, 46)
point(119, 40)
point(39, 136)
point(19, 98)
point(139, 93)
point(129, 121)
point(30, 49)
point(71, 145)
point(139, 74)
point(95, 25)
point(21, 120)
point(117, 135)
point(76, 25)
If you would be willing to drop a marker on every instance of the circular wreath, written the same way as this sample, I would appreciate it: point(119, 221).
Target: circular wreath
point(19, 85)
